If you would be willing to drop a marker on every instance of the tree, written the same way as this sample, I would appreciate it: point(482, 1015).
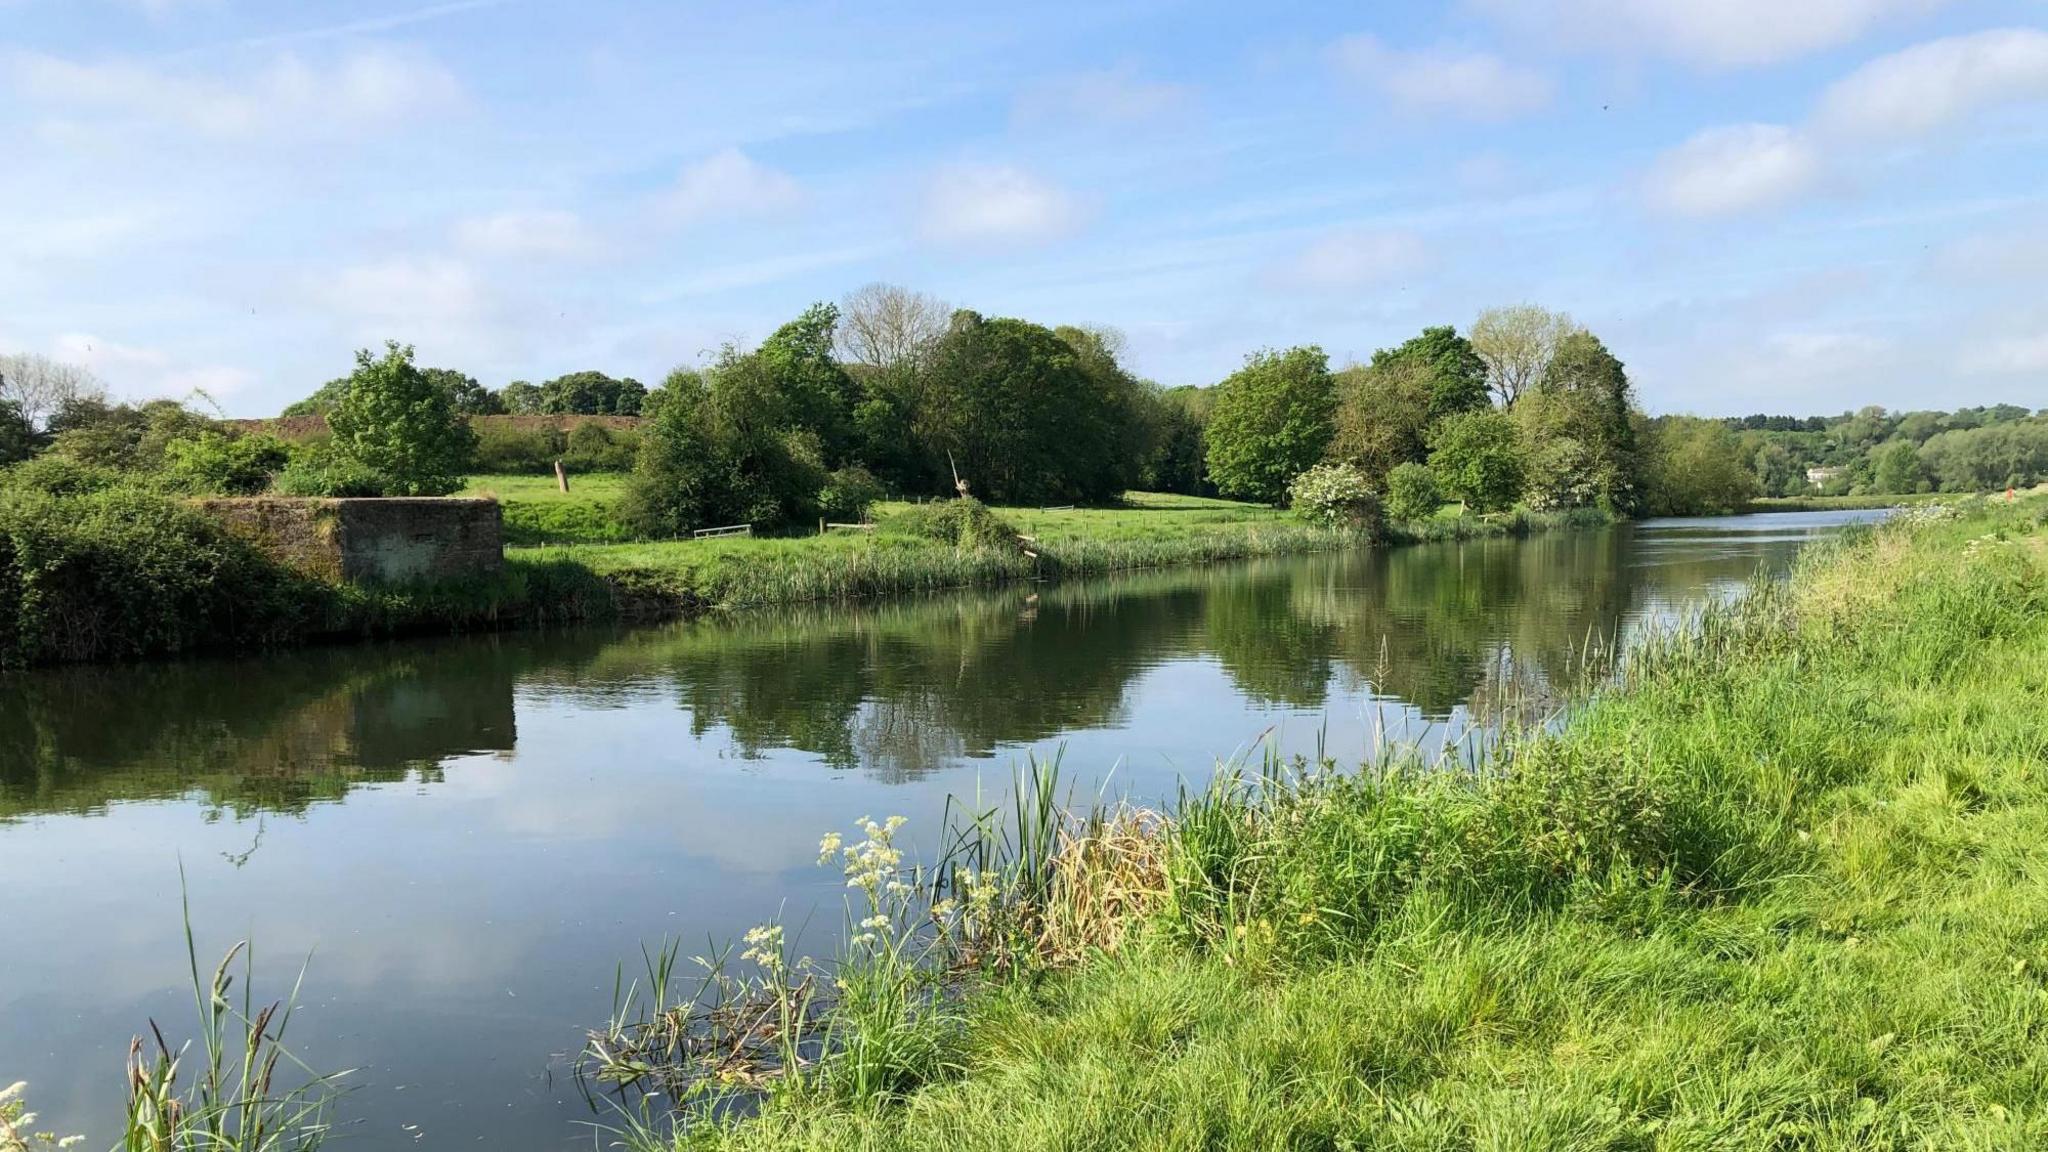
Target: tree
point(813, 391)
point(320, 403)
point(40, 386)
point(395, 421)
point(883, 326)
point(1576, 427)
point(521, 398)
point(1694, 467)
point(1176, 463)
point(717, 452)
point(124, 437)
point(590, 393)
point(1896, 468)
point(1455, 376)
point(1382, 416)
point(1271, 422)
point(1517, 344)
point(1018, 413)
point(18, 439)
point(469, 397)
point(1477, 457)
point(1412, 493)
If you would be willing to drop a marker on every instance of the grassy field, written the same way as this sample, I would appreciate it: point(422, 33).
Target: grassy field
point(1784, 886)
point(1150, 531)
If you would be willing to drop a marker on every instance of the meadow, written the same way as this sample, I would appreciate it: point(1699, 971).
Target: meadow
point(1781, 884)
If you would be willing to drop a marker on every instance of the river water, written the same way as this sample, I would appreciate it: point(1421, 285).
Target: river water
point(459, 839)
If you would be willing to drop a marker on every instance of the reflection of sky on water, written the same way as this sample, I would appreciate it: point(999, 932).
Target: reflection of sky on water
point(466, 835)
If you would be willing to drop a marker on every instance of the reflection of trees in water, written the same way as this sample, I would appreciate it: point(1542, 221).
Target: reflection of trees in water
point(897, 689)
point(273, 733)
point(905, 688)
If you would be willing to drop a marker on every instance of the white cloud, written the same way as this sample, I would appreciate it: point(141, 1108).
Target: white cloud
point(365, 88)
point(727, 184)
point(1116, 96)
point(1469, 85)
point(1733, 169)
point(140, 372)
point(1352, 258)
point(524, 234)
point(405, 295)
point(1710, 33)
point(974, 204)
point(1930, 85)
point(2013, 355)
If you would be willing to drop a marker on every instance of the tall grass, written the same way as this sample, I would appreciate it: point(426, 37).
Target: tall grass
point(1782, 883)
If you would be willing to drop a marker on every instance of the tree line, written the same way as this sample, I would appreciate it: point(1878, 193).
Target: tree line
point(892, 391)
point(1872, 451)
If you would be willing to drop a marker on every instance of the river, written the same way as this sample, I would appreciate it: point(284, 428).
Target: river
point(459, 838)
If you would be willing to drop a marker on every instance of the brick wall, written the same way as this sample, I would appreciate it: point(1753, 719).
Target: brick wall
point(393, 540)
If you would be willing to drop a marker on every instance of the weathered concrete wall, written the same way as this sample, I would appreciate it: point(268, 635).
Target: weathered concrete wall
point(392, 540)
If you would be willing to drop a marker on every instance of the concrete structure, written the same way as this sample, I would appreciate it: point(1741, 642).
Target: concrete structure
point(390, 540)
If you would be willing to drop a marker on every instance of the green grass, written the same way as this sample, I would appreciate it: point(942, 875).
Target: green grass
point(1830, 503)
point(1152, 531)
point(1785, 886)
point(584, 488)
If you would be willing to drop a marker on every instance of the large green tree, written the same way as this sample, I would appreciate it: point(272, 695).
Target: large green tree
point(1013, 408)
point(1577, 431)
point(1272, 420)
point(1477, 457)
point(719, 451)
point(395, 421)
point(1382, 417)
point(1694, 467)
point(18, 438)
point(1454, 374)
point(812, 388)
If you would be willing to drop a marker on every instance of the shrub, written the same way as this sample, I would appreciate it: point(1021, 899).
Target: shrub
point(502, 446)
point(596, 448)
point(1336, 496)
point(124, 572)
point(322, 474)
point(1412, 493)
point(58, 476)
point(964, 522)
point(235, 465)
point(848, 494)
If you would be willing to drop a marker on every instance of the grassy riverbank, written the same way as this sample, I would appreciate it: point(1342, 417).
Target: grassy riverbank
point(1785, 886)
point(1841, 503)
point(127, 572)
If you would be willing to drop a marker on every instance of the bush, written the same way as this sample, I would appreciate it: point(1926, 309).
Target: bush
point(212, 462)
point(1335, 496)
point(321, 474)
point(1412, 493)
point(848, 494)
point(596, 448)
point(964, 522)
point(58, 476)
point(124, 572)
point(502, 446)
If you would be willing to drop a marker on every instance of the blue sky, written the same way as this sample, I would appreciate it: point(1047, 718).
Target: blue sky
point(1761, 205)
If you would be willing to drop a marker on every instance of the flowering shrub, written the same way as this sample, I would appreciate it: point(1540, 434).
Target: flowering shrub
point(1337, 496)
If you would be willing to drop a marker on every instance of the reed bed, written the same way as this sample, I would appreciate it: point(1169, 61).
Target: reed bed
point(1781, 882)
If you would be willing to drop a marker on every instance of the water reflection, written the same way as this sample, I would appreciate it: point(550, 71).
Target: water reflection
point(898, 690)
point(467, 833)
